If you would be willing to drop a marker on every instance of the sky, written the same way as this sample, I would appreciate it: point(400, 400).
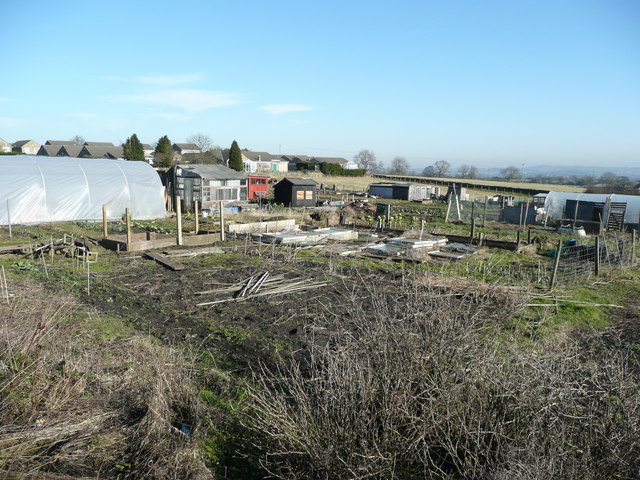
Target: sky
point(488, 83)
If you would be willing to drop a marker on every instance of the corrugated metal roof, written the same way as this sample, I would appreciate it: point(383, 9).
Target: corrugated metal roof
point(300, 181)
point(214, 171)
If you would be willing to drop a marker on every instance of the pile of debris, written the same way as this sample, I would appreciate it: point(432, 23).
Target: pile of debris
point(259, 285)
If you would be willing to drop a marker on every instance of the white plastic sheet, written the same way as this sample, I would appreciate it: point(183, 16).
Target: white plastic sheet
point(38, 189)
point(554, 203)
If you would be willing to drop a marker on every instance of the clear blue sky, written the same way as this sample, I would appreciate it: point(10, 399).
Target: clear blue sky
point(490, 82)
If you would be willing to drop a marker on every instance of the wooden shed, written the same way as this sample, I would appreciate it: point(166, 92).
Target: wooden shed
point(296, 192)
point(258, 186)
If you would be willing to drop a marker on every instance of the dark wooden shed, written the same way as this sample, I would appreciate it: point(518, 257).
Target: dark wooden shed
point(296, 192)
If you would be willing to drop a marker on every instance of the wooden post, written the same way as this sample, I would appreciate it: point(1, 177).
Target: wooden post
point(529, 236)
point(422, 228)
point(105, 233)
point(178, 220)
point(521, 211)
point(597, 259)
point(473, 228)
point(633, 247)
point(575, 214)
point(518, 238)
point(556, 263)
point(127, 215)
point(484, 214)
point(197, 214)
point(221, 222)
point(473, 209)
point(446, 217)
point(526, 214)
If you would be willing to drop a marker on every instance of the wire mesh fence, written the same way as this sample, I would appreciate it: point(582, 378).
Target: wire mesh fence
point(578, 262)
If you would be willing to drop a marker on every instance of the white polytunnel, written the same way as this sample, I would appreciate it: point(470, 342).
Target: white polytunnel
point(555, 203)
point(39, 189)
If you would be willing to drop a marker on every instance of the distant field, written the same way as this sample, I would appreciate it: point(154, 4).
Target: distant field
point(362, 183)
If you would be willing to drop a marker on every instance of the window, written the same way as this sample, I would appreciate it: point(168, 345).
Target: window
point(300, 195)
point(309, 194)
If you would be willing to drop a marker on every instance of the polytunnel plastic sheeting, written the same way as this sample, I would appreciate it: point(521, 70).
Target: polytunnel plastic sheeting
point(555, 202)
point(36, 189)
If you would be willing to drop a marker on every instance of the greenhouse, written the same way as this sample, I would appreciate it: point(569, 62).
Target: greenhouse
point(60, 189)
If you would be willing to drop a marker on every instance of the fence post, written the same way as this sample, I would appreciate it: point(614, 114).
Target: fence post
point(222, 221)
point(179, 220)
point(484, 214)
point(632, 257)
point(127, 214)
point(473, 228)
point(597, 259)
point(197, 215)
point(105, 233)
point(556, 263)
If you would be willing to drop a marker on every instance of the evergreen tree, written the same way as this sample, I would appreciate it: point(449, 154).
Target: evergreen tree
point(132, 148)
point(235, 157)
point(163, 155)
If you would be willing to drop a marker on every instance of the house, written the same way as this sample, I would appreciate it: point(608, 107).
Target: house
point(28, 147)
point(5, 147)
point(60, 142)
point(263, 162)
point(183, 148)
point(111, 152)
point(98, 144)
point(258, 187)
point(70, 150)
point(343, 162)
point(209, 184)
point(148, 152)
point(49, 150)
point(296, 192)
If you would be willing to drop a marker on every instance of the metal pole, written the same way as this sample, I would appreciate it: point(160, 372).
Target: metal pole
point(597, 259)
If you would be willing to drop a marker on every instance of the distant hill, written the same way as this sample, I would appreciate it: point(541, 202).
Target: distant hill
point(568, 170)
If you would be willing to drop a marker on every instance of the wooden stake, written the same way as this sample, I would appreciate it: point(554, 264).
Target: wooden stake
point(105, 233)
point(178, 220)
point(484, 213)
point(197, 214)
point(221, 222)
point(526, 214)
point(473, 228)
point(446, 217)
point(127, 215)
point(556, 264)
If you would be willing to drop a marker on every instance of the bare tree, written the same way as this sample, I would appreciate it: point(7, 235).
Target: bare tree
point(204, 142)
point(399, 166)
point(429, 171)
point(510, 173)
point(79, 139)
point(441, 168)
point(366, 160)
point(467, 171)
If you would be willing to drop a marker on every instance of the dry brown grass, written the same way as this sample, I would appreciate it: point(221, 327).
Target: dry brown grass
point(75, 403)
point(427, 383)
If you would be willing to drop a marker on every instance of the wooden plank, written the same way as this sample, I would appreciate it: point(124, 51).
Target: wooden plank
point(162, 260)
